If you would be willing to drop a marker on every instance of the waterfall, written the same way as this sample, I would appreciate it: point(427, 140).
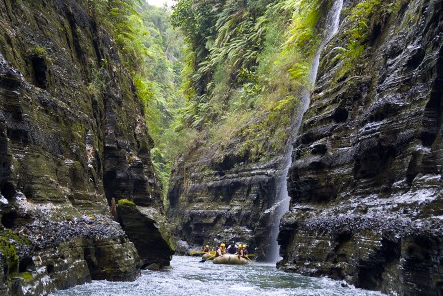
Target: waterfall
point(283, 200)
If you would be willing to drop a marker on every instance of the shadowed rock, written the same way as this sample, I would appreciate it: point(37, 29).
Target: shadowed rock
point(143, 227)
point(72, 138)
point(371, 212)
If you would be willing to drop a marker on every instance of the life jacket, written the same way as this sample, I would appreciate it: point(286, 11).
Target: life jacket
point(232, 249)
point(220, 251)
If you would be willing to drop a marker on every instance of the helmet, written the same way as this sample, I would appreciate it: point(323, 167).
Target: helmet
point(233, 242)
point(222, 245)
point(244, 246)
point(207, 246)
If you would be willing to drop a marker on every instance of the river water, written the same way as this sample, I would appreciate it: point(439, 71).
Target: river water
point(189, 277)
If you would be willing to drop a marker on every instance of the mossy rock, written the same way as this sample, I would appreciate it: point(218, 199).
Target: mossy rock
point(9, 240)
point(126, 202)
point(26, 276)
point(40, 51)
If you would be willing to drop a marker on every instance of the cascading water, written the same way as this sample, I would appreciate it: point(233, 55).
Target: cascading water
point(283, 200)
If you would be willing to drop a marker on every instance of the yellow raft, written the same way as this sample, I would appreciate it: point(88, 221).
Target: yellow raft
point(230, 259)
point(208, 256)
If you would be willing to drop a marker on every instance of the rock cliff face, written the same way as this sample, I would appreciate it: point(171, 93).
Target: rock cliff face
point(366, 177)
point(229, 188)
point(73, 142)
point(212, 201)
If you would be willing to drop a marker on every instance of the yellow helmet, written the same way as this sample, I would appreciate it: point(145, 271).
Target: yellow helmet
point(244, 246)
point(207, 246)
point(222, 245)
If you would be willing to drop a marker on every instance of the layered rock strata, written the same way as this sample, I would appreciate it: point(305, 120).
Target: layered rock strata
point(231, 190)
point(215, 200)
point(73, 142)
point(366, 177)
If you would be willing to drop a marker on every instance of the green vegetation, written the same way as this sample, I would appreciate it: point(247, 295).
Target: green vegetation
point(153, 52)
point(244, 68)
point(27, 276)
point(9, 240)
point(126, 202)
point(247, 65)
point(366, 20)
point(40, 51)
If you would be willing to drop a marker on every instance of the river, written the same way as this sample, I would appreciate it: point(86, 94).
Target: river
point(190, 277)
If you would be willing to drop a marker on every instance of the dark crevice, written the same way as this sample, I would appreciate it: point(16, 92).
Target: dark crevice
point(372, 159)
point(9, 218)
point(109, 184)
point(319, 149)
point(306, 138)
point(370, 277)
point(50, 269)
point(340, 115)
point(383, 111)
point(26, 264)
point(90, 259)
point(415, 58)
point(40, 70)
point(75, 37)
point(343, 237)
point(18, 135)
point(8, 190)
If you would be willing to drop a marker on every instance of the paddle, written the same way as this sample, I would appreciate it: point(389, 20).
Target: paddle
point(248, 259)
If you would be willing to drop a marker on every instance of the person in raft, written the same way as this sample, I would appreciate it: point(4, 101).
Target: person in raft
point(205, 249)
point(232, 248)
point(244, 252)
point(240, 250)
point(220, 250)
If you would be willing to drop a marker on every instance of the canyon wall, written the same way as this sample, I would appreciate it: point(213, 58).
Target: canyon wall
point(75, 154)
point(214, 202)
point(366, 179)
point(244, 101)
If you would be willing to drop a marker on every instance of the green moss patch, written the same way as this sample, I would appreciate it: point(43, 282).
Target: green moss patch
point(9, 240)
point(27, 276)
point(39, 51)
point(126, 202)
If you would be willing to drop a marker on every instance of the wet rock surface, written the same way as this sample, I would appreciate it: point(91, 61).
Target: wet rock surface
point(366, 181)
point(231, 203)
point(146, 228)
point(73, 142)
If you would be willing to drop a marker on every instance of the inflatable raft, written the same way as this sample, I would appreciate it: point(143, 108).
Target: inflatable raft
point(230, 259)
point(208, 256)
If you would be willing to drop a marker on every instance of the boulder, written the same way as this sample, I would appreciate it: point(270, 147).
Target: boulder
point(146, 228)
